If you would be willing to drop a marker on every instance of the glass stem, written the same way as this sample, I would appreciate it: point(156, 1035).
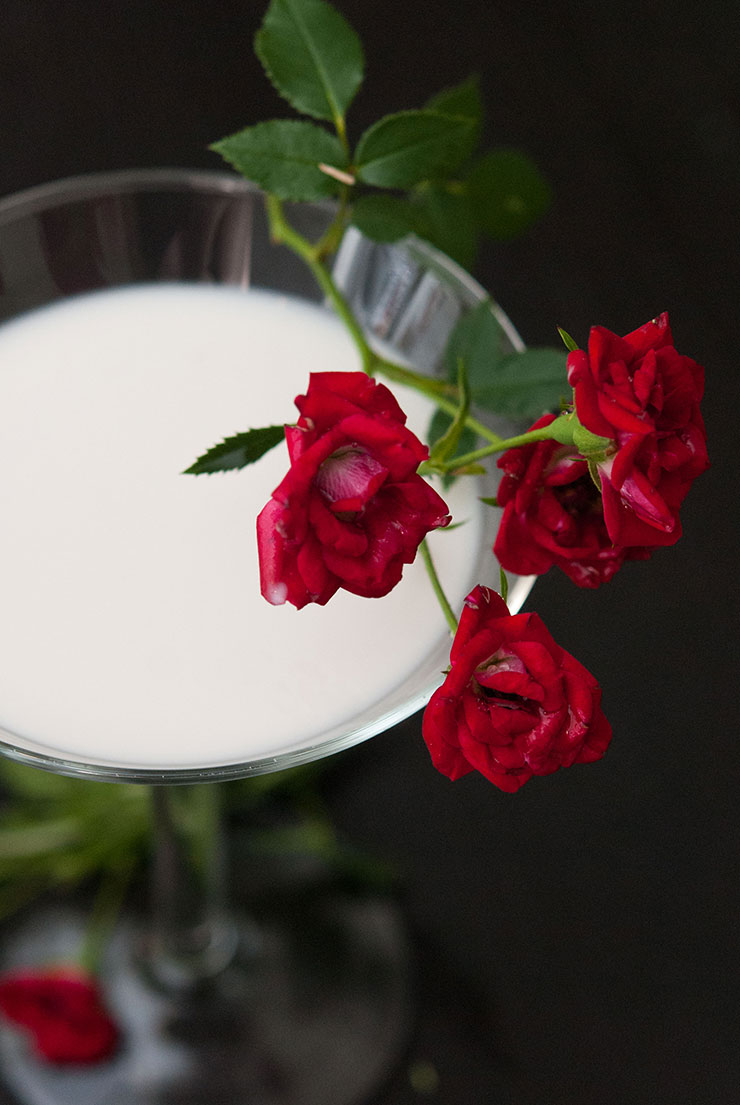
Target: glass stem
point(191, 937)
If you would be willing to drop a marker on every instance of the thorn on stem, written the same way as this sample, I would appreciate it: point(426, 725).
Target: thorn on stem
point(337, 174)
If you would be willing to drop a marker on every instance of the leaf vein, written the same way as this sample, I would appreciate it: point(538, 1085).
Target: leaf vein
point(316, 58)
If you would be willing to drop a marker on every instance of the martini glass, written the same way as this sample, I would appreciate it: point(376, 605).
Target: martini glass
point(137, 651)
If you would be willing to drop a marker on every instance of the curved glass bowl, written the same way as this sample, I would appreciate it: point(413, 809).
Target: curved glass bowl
point(142, 226)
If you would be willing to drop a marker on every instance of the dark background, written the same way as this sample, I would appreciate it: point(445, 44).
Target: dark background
point(577, 941)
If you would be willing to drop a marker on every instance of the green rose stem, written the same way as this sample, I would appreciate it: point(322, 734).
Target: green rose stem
point(442, 393)
point(560, 430)
point(329, 242)
point(437, 586)
point(445, 395)
point(283, 233)
point(105, 912)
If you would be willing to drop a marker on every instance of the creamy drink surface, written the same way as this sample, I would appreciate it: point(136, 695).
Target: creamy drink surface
point(133, 632)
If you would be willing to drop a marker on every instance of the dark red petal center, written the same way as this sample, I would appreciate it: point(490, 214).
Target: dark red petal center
point(349, 478)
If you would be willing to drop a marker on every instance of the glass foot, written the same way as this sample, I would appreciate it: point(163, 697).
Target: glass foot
point(317, 1013)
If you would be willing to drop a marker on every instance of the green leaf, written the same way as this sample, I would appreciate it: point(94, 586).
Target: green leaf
point(508, 193)
point(446, 220)
point(472, 469)
point(519, 385)
point(570, 343)
point(237, 451)
point(438, 426)
point(479, 339)
point(462, 99)
point(283, 157)
point(386, 218)
point(593, 471)
point(312, 56)
point(503, 584)
point(524, 385)
point(439, 217)
point(401, 150)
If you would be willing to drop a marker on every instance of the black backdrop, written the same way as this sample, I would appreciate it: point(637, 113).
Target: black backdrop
point(578, 941)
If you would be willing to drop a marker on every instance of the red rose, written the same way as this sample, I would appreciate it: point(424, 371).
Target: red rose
point(353, 509)
point(64, 1013)
point(643, 395)
point(514, 704)
point(552, 515)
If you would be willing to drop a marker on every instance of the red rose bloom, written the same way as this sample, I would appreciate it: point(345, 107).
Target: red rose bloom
point(552, 515)
point(64, 1013)
point(643, 395)
point(514, 704)
point(353, 509)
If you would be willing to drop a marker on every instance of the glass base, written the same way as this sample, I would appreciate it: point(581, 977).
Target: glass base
point(315, 1012)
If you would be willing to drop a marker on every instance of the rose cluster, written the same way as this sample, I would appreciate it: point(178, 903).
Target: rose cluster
point(353, 509)
point(641, 397)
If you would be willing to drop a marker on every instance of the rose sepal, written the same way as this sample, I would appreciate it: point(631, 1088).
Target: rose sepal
point(591, 446)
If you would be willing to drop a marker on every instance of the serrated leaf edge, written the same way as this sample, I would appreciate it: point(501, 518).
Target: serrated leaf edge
point(335, 115)
point(229, 444)
point(284, 191)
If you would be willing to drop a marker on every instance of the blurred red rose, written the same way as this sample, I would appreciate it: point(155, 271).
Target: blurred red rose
point(553, 516)
point(352, 509)
point(643, 395)
point(63, 1012)
point(514, 704)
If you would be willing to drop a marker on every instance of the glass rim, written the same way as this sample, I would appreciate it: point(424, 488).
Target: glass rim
point(85, 186)
point(55, 193)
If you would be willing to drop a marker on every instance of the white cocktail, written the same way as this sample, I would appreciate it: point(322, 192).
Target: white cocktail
point(146, 316)
point(129, 591)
